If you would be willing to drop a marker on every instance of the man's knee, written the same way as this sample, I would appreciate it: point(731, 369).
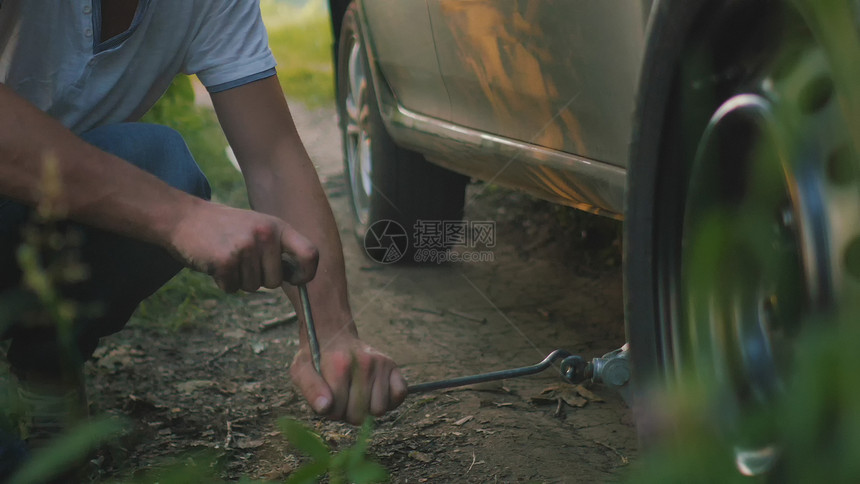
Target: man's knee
point(157, 149)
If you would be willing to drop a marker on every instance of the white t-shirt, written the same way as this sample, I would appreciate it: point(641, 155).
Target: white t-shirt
point(51, 54)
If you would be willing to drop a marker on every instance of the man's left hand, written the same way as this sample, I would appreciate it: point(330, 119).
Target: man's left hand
point(356, 380)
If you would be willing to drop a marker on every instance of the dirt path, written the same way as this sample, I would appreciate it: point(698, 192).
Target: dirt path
point(222, 386)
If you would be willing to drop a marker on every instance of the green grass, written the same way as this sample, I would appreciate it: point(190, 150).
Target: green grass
point(302, 44)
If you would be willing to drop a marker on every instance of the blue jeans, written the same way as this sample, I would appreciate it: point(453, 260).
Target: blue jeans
point(122, 271)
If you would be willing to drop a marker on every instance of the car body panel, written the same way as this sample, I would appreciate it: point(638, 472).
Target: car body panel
point(417, 112)
point(401, 37)
point(552, 175)
point(560, 74)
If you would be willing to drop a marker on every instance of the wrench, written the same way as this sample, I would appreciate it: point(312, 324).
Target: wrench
point(573, 368)
point(288, 265)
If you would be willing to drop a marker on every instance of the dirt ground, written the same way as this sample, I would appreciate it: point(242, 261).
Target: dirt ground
point(554, 283)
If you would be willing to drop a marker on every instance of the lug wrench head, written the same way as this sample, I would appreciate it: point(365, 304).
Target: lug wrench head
point(575, 369)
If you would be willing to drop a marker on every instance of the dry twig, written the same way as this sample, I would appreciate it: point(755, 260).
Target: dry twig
point(467, 316)
point(277, 322)
point(624, 459)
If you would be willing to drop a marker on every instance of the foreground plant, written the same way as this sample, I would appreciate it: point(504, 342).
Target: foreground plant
point(348, 465)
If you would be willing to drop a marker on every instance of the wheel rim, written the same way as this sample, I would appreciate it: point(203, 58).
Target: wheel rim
point(748, 259)
point(358, 139)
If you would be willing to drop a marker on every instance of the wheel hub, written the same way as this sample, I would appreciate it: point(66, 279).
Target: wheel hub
point(358, 139)
point(763, 217)
point(741, 226)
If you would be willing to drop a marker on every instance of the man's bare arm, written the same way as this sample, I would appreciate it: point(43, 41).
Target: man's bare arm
point(102, 190)
point(97, 188)
point(282, 181)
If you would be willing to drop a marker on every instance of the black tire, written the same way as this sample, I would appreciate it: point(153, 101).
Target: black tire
point(669, 176)
point(673, 23)
point(404, 186)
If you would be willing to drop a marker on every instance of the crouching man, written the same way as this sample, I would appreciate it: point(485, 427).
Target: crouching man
point(73, 77)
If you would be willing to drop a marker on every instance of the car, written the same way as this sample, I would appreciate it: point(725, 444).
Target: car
point(723, 133)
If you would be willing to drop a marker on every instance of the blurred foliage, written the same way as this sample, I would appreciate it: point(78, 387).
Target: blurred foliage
point(814, 422)
point(67, 451)
point(49, 259)
point(348, 465)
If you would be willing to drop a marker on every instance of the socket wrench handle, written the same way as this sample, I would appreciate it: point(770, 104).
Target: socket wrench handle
point(289, 266)
point(573, 368)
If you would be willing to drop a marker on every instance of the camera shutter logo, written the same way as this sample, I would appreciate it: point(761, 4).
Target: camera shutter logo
point(386, 241)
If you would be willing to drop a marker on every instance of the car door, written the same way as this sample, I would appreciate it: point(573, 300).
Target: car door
point(561, 74)
point(401, 39)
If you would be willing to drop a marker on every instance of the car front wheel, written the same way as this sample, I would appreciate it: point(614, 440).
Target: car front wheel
point(740, 233)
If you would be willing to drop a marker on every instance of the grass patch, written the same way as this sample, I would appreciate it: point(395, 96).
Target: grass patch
point(181, 303)
point(301, 40)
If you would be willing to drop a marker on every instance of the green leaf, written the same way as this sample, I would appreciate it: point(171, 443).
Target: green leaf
point(308, 474)
point(67, 450)
point(248, 480)
point(366, 472)
point(342, 459)
point(305, 440)
point(362, 441)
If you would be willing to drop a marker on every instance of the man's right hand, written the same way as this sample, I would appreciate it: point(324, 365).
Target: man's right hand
point(242, 249)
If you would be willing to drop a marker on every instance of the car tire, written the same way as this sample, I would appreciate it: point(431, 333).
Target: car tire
point(728, 245)
point(386, 181)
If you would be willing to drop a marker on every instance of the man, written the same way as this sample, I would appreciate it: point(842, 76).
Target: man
point(72, 74)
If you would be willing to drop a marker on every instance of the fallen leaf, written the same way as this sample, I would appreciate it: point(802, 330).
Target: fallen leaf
point(116, 358)
point(551, 395)
point(228, 388)
point(191, 386)
point(546, 397)
point(572, 398)
point(588, 394)
point(548, 391)
point(249, 443)
point(258, 347)
point(463, 420)
point(252, 386)
point(280, 473)
point(147, 401)
point(234, 333)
